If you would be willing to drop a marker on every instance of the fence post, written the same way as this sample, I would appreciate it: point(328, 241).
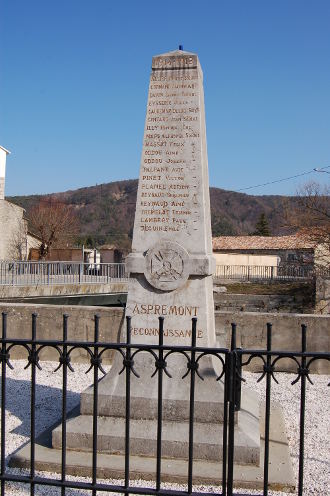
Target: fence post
point(193, 367)
point(303, 374)
point(231, 400)
point(128, 366)
point(33, 360)
point(268, 371)
point(65, 361)
point(160, 366)
point(96, 361)
point(3, 399)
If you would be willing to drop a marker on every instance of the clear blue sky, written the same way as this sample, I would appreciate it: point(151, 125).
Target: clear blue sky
point(74, 78)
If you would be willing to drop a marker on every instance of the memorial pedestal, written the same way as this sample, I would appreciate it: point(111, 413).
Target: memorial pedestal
point(208, 415)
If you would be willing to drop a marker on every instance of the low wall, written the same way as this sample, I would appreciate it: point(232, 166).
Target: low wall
point(61, 289)
point(50, 325)
point(286, 335)
point(228, 302)
point(251, 330)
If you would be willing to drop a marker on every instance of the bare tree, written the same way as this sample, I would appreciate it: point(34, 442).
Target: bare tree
point(54, 222)
point(309, 215)
point(17, 243)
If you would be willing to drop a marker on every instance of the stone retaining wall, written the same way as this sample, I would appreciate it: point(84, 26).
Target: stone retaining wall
point(251, 329)
point(286, 335)
point(42, 290)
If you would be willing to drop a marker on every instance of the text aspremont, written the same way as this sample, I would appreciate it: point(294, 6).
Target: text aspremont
point(181, 310)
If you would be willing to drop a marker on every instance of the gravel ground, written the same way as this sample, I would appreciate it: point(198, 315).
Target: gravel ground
point(48, 410)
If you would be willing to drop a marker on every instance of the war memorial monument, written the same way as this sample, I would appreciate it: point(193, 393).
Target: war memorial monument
point(170, 266)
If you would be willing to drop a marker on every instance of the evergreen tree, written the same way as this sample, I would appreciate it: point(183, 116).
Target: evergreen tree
point(262, 226)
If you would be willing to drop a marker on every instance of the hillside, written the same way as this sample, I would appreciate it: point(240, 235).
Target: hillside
point(106, 211)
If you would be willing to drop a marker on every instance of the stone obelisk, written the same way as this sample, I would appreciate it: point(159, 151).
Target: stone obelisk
point(171, 263)
point(170, 268)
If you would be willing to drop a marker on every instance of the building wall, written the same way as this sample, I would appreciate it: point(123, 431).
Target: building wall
point(2, 188)
point(58, 254)
point(12, 226)
point(322, 295)
point(3, 156)
point(107, 256)
point(31, 242)
point(246, 259)
point(322, 255)
point(284, 257)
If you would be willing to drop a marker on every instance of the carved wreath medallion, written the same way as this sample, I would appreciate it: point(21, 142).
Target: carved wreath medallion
point(167, 266)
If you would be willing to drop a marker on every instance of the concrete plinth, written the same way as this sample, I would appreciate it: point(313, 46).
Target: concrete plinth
point(208, 414)
point(79, 463)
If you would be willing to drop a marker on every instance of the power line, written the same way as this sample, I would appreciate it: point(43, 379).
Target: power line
point(316, 169)
point(283, 179)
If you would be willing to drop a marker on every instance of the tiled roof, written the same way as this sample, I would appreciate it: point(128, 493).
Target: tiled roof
point(292, 242)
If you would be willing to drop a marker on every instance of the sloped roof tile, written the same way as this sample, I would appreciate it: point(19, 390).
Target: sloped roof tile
point(292, 242)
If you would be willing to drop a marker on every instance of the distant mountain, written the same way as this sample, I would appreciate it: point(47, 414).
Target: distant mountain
point(106, 211)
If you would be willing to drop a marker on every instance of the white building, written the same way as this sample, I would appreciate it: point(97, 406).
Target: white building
point(15, 241)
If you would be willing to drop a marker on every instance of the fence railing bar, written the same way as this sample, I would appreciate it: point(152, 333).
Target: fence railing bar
point(19, 273)
point(3, 402)
point(64, 399)
point(95, 363)
point(160, 369)
point(33, 359)
point(302, 411)
point(269, 272)
point(128, 366)
point(142, 491)
point(225, 429)
point(193, 367)
point(231, 419)
point(268, 371)
point(198, 349)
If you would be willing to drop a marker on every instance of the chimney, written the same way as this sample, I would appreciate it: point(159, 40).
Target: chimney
point(3, 156)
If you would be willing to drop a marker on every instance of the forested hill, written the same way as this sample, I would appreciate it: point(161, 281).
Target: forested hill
point(106, 211)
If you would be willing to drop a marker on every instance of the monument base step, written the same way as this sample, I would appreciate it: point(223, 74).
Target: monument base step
point(209, 392)
point(173, 470)
point(175, 438)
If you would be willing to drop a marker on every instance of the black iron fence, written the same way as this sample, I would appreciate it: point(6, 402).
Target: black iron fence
point(232, 361)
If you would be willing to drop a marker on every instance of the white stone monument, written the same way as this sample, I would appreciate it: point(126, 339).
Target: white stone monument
point(170, 267)
point(171, 263)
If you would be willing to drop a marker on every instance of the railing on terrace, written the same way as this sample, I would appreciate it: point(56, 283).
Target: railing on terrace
point(265, 272)
point(13, 273)
point(231, 361)
point(52, 273)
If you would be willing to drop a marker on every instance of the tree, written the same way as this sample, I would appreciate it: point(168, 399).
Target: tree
point(54, 222)
point(221, 227)
point(18, 241)
point(309, 215)
point(262, 226)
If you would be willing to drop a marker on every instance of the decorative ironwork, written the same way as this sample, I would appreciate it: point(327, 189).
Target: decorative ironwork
point(232, 360)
